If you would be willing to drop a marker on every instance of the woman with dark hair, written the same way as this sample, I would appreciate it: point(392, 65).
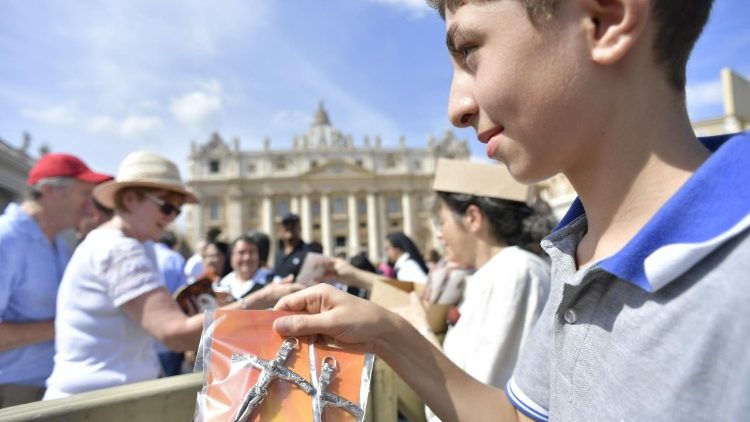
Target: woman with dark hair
point(215, 257)
point(248, 281)
point(263, 242)
point(406, 258)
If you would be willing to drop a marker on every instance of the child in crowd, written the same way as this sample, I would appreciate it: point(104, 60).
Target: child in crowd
point(648, 265)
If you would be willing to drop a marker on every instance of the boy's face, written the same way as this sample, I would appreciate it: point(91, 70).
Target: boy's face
point(518, 85)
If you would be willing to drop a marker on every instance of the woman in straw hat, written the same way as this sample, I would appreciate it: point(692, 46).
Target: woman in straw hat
point(112, 303)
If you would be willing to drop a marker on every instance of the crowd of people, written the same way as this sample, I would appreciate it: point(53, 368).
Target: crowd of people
point(626, 310)
point(111, 313)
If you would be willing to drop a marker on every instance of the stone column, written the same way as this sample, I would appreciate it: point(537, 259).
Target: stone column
point(383, 226)
point(325, 224)
point(235, 213)
point(407, 213)
point(199, 227)
point(306, 217)
point(294, 204)
point(353, 241)
point(373, 234)
point(266, 217)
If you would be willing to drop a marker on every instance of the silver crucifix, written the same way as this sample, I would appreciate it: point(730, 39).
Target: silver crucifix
point(325, 398)
point(269, 370)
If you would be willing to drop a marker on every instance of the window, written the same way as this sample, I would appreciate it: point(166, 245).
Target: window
point(391, 161)
point(213, 166)
point(339, 206)
point(279, 163)
point(313, 163)
point(359, 163)
point(251, 167)
point(252, 210)
point(361, 207)
point(315, 205)
point(214, 209)
point(340, 241)
point(282, 207)
point(394, 205)
point(417, 165)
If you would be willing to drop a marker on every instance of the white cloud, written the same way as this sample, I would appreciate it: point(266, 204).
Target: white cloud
point(56, 115)
point(138, 125)
point(295, 119)
point(100, 124)
point(704, 94)
point(418, 8)
point(129, 126)
point(195, 107)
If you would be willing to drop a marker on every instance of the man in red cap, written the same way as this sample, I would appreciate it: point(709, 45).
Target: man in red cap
point(33, 255)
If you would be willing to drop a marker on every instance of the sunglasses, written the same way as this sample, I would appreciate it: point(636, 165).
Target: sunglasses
point(166, 208)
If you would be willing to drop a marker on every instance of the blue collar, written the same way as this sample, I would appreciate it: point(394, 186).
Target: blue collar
point(25, 223)
point(710, 208)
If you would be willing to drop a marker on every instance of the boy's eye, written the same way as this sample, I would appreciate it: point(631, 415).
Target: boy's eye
point(466, 51)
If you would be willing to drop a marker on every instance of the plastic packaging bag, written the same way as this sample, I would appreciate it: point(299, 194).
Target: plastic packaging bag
point(251, 373)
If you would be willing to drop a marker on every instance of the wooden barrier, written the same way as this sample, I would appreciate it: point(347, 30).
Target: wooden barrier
point(173, 400)
point(167, 399)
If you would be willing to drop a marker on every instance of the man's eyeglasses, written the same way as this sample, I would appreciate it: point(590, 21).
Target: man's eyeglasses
point(166, 207)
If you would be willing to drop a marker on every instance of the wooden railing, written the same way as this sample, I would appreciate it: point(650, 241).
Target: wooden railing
point(173, 400)
point(165, 400)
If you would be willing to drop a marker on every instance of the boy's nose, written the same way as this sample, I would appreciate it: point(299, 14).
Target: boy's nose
point(462, 106)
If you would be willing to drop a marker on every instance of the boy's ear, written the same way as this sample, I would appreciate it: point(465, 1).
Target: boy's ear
point(613, 27)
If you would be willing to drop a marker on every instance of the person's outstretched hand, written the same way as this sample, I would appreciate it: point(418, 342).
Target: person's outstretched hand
point(339, 316)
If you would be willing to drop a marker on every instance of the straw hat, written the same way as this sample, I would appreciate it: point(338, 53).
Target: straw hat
point(146, 170)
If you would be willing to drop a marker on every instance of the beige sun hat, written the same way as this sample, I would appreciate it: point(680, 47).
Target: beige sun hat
point(147, 170)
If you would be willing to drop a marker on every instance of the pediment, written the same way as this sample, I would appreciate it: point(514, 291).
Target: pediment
point(338, 170)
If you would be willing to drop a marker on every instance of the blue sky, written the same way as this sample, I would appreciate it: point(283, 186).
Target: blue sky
point(103, 78)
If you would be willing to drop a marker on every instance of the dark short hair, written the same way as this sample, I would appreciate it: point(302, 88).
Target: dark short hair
point(290, 219)
point(679, 24)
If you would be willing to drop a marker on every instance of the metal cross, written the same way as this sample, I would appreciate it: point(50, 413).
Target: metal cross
point(324, 398)
point(269, 370)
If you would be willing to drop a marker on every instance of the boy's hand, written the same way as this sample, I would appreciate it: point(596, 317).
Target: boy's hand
point(344, 318)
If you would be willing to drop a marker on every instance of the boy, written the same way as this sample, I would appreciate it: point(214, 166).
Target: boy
point(641, 322)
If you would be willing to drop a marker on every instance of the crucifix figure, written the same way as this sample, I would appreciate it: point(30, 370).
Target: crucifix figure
point(269, 370)
point(324, 398)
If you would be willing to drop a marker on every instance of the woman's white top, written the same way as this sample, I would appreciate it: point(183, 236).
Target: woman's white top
point(239, 288)
point(407, 269)
point(96, 344)
point(502, 301)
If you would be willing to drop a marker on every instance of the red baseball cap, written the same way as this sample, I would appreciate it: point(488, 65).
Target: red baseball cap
point(64, 165)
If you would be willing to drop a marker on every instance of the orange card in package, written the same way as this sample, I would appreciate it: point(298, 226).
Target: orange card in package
point(250, 373)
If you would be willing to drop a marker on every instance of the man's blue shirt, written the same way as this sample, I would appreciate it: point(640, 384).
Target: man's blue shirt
point(30, 272)
point(171, 265)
